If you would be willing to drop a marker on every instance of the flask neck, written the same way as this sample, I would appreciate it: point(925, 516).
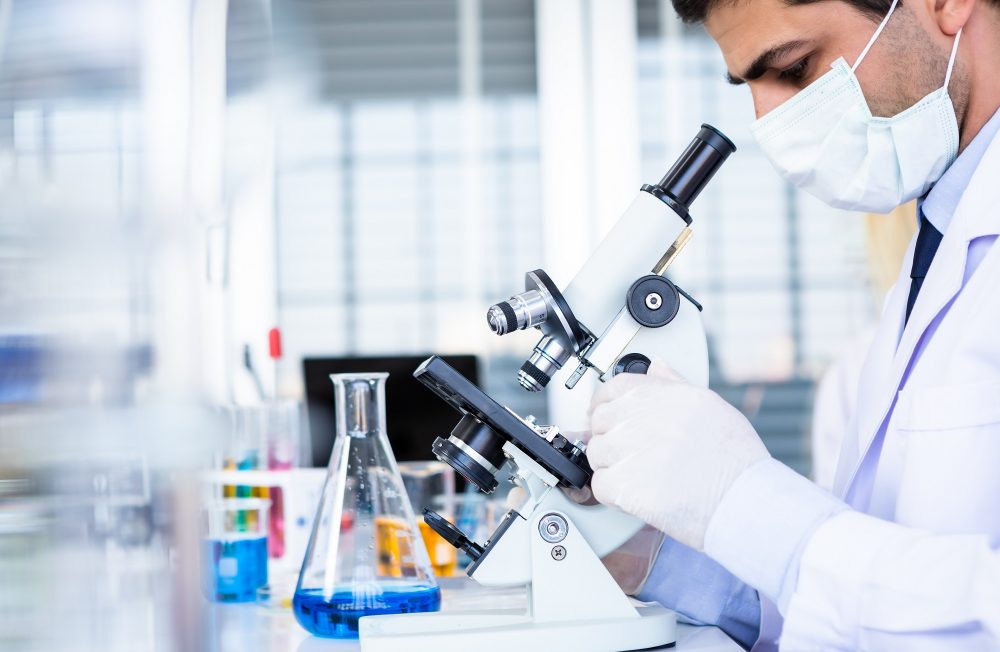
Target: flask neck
point(360, 404)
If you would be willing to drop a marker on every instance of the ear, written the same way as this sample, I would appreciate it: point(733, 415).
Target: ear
point(951, 15)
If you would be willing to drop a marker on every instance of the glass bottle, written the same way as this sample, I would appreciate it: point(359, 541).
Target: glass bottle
point(365, 555)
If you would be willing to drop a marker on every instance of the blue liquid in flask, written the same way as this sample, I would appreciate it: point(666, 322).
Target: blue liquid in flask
point(337, 617)
point(234, 569)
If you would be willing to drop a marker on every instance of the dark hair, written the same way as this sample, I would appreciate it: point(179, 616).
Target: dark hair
point(695, 11)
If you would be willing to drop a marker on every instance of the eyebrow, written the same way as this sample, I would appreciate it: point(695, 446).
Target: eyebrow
point(761, 64)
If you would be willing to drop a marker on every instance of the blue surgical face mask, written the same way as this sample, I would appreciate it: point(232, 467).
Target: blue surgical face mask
point(826, 141)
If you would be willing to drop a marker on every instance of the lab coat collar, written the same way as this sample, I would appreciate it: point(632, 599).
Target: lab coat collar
point(942, 200)
point(891, 356)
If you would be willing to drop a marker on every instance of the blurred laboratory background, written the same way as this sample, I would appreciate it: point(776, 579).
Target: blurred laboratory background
point(206, 205)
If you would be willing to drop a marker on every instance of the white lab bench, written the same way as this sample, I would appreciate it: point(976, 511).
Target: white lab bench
point(252, 628)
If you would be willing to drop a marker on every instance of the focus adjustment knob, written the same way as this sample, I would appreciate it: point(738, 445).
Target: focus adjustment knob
point(631, 363)
point(653, 301)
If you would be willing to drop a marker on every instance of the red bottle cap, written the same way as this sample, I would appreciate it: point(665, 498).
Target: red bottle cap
point(274, 343)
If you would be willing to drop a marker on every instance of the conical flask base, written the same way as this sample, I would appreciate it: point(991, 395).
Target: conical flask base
point(338, 615)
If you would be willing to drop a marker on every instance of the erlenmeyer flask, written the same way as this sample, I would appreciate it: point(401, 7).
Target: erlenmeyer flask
point(365, 555)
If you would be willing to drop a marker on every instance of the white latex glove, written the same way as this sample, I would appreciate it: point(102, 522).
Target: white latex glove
point(666, 451)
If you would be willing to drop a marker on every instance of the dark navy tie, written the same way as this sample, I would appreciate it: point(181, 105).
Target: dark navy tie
point(928, 240)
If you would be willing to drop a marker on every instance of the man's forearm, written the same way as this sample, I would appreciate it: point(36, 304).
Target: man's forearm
point(704, 592)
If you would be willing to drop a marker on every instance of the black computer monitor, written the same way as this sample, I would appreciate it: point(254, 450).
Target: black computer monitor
point(414, 415)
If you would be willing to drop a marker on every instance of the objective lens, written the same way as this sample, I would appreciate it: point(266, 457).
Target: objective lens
point(517, 313)
point(548, 357)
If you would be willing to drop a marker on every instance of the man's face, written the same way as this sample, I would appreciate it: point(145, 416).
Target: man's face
point(778, 49)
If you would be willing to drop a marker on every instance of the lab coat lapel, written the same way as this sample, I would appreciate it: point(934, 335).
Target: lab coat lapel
point(944, 280)
point(875, 377)
point(975, 216)
point(888, 364)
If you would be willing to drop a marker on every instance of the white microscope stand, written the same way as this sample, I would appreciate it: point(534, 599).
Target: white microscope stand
point(573, 602)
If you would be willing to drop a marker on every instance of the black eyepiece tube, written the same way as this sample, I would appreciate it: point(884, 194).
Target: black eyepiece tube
point(693, 170)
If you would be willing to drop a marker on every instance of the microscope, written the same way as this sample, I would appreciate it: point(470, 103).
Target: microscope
point(618, 314)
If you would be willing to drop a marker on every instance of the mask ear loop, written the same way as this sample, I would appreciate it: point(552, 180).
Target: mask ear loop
point(878, 31)
point(951, 60)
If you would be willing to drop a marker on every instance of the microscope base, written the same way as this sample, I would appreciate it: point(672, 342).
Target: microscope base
point(504, 630)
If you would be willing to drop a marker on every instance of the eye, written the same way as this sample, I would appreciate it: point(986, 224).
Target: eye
point(795, 73)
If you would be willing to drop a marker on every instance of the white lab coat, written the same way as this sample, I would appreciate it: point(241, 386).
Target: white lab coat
point(924, 457)
point(834, 407)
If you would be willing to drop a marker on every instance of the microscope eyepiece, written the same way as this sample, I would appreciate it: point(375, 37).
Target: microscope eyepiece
point(692, 171)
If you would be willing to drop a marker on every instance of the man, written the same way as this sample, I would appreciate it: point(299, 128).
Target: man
point(866, 104)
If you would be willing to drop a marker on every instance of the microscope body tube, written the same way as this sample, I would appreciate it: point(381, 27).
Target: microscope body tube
point(628, 252)
point(643, 242)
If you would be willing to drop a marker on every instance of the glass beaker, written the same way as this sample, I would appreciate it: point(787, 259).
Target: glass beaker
point(234, 549)
point(365, 555)
point(282, 438)
point(432, 485)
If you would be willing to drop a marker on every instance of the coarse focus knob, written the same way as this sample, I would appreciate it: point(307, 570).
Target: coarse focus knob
point(653, 301)
point(631, 363)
